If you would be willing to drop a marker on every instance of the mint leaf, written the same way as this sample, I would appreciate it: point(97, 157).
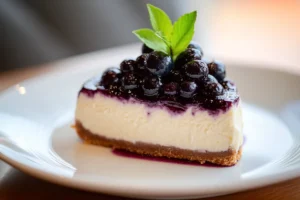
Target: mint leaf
point(183, 31)
point(152, 40)
point(165, 37)
point(160, 21)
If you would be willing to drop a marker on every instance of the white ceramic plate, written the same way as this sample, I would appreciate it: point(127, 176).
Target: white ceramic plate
point(35, 136)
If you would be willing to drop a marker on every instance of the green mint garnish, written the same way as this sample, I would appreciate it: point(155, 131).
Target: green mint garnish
point(183, 32)
point(160, 21)
point(153, 40)
point(166, 37)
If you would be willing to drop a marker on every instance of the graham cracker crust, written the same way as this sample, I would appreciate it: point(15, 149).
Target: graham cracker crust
point(225, 158)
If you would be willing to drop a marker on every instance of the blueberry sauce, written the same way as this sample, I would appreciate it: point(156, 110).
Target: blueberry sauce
point(131, 155)
point(214, 105)
point(156, 80)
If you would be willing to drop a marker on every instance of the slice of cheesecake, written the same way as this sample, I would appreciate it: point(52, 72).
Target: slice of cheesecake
point(167, 119)
point(166, 105)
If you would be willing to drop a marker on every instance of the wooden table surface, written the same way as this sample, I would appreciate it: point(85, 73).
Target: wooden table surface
point(14, 184)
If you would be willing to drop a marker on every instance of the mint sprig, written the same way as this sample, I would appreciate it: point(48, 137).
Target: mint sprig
point(166, 37)
point(183, 32)
point(160, 21)
point(152, 39)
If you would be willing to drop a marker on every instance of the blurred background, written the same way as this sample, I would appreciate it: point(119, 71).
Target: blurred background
point(38, 31)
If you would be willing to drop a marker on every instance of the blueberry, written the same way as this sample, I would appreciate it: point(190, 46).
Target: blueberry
point(217, 69)
point(110, 76)
point(188, 89)
point(130, 81)
point(116, 89)
point(146, 49)
point(174, 76)
point(194, 45)
point(141, 70)
point(229, 85)
point(158, 63)
point(216, 103)
point(151, 85)
point(213, 89)
point(204, 81)
point(211, 79)
point(141, 62)
point(196, 69)
point(128, 65)
point(187, 56)
point(170, 88)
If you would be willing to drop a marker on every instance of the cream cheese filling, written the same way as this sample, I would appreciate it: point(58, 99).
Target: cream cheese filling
point(136, 122)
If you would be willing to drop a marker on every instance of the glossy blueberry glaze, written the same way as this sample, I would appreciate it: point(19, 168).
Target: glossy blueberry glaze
point(176, 105)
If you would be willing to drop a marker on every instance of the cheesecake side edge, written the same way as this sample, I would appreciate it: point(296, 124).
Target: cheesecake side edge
point(224, 158)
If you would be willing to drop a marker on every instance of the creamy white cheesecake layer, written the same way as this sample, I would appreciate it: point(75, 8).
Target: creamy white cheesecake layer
point(136, 122)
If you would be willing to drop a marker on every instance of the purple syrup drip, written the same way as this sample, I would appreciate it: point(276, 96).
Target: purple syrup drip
point(131, 155)
point(214, 105)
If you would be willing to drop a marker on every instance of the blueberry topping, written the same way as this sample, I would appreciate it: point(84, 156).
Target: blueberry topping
point(187, 56)
point(216, 103)
point(110, 76)
point(228, 85)
point(141, 62)
point(130, 81)
point(211, 79)
point(141, 70)
point(174, 76)
point(170, 88)
point(206, 80)
point(196, 69)
point(158, 63)
point(213, 89)
point(188, 89)
point(217, 69)
point(194, 45)
point(146, 49)
point(151, 85)
point(128, 66)
point(116, 89)
point(156, 80)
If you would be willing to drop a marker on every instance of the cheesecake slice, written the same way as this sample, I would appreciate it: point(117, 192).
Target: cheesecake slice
point(164, 105)
point(169, 121)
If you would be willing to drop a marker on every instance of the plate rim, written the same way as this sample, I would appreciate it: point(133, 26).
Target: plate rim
point(195, 192)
